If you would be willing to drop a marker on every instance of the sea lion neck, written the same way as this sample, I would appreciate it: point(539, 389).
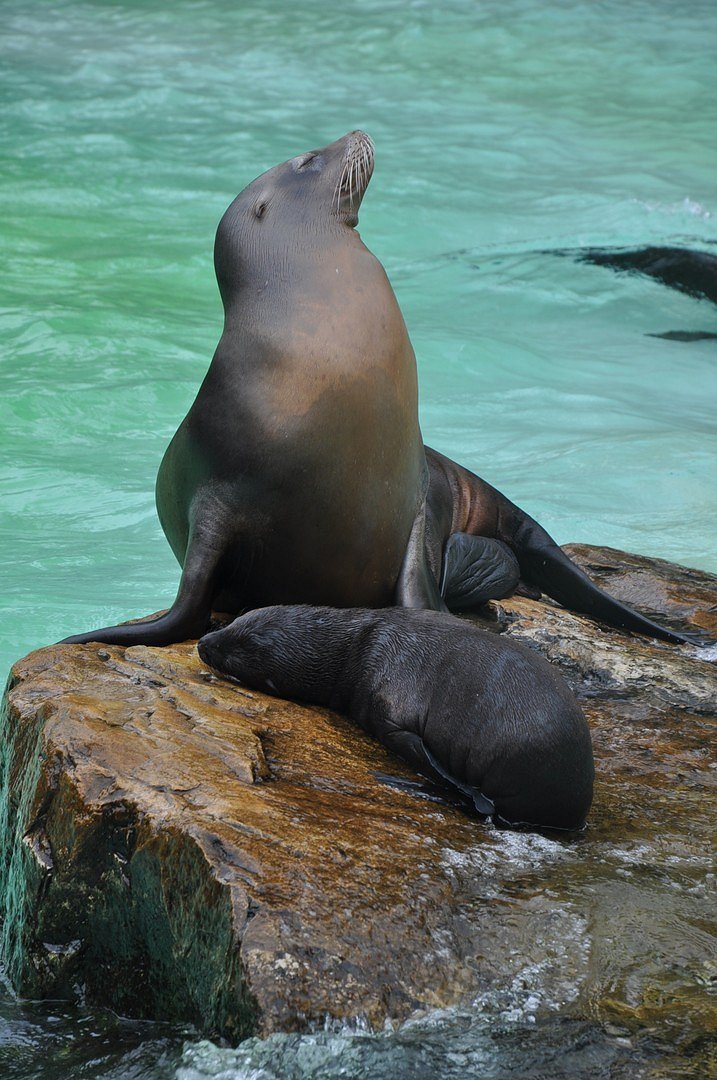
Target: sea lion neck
point(304, 265)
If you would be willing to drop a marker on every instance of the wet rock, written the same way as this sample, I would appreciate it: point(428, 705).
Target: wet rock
point(175, 846)
point(605, 663)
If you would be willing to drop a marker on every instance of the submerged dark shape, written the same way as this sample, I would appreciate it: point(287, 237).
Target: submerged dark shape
point(299, 474)
point(685, 335)
point(458, 703)
point(692, 272)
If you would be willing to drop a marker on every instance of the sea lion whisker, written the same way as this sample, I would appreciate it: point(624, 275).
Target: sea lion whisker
point(366, 168)
point(340, 184)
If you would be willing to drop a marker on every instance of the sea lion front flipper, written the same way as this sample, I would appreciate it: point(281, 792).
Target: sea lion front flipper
point(188, 616)
point(412, 749)
point(476, 569)
point(416, 586)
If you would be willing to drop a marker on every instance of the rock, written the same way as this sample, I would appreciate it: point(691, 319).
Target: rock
point(177, 847)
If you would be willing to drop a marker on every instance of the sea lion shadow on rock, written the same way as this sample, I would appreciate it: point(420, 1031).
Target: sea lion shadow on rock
point(299, 474)
point(457, 703)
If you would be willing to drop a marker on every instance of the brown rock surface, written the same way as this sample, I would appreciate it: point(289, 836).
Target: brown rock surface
point(179, 847)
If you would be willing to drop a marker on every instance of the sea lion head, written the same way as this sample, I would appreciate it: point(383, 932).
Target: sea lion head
point(324, 184)
point(293, 205)
point(291, 650)
point(237, 649)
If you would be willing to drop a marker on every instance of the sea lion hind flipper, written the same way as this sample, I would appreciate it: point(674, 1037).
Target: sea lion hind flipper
point(476, 569)
point(545, 564)
point(188, 616)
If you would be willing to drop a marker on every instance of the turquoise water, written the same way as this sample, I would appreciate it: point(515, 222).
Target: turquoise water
point(506, 133)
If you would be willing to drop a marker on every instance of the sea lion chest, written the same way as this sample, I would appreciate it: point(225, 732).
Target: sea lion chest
point(307, 423)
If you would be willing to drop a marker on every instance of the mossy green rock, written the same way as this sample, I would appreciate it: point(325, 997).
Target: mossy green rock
point(177, 847)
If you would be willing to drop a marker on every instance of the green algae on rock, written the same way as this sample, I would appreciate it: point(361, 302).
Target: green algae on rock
point(177, 847)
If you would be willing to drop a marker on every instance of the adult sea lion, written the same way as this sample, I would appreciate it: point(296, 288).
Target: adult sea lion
point(458, 703)
point(299, 473)
point(299, 470)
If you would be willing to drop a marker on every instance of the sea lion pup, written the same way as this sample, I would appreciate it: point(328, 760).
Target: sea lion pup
point(299, 474)
point(456, 702)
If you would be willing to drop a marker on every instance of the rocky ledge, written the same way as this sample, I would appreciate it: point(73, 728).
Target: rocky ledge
point(176, 847)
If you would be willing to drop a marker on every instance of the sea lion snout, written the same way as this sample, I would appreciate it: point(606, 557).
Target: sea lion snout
point(356, 171)
point(359, 139)
point(221, 650)
point(359, 147)
point(208, 651)
point(230, 649)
